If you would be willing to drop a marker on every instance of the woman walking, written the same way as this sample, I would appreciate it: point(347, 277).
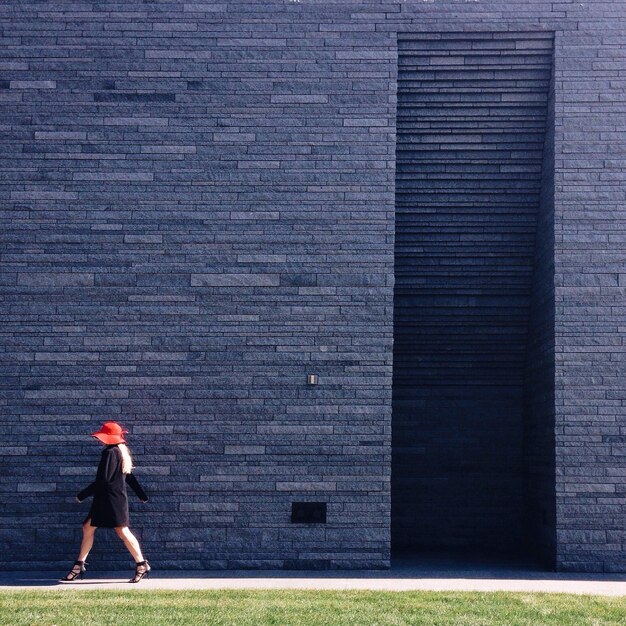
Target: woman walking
point(109, 508)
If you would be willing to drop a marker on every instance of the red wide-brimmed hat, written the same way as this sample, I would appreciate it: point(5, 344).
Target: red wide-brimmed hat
point(110, 432)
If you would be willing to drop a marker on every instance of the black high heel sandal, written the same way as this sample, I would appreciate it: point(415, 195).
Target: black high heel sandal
point(77, 571)
point(140, 574)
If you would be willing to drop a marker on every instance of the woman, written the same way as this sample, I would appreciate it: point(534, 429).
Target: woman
point(109, 508)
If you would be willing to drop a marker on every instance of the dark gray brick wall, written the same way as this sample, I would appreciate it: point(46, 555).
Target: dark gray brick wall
point(198, 210)
point(589, 262)
point(590, 227)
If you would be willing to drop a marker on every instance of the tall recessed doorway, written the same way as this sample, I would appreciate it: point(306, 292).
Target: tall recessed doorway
point(473, 458)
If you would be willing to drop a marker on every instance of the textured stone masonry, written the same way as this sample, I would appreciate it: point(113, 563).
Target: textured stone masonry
point(198, 210)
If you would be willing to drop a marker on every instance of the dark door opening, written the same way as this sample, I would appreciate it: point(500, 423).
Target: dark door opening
point(472, 466)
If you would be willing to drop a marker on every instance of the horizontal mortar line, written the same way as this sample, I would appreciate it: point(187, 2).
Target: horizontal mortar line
point(460, 72)
point(474, 60)
point(464, 62)
point(476, 36)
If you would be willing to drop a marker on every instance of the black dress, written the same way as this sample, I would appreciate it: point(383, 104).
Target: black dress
point(110, 502)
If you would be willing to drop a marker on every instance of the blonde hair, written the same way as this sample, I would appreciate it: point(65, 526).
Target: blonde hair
point(127, 461)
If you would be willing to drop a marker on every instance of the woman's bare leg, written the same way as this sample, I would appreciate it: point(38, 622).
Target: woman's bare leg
point(130, 541)
point(86, 544)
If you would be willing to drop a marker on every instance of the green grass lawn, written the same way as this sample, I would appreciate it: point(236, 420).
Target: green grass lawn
point(306, 608)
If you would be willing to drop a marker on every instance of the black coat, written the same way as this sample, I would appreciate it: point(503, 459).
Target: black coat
point(109, 508)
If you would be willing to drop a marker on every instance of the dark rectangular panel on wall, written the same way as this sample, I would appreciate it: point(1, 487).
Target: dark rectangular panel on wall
point(471, 125)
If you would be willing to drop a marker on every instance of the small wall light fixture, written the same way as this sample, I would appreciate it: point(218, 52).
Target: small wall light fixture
point(311, 379)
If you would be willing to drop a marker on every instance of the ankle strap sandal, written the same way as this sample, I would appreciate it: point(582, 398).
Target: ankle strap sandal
point(77, 571)
point(141, 571)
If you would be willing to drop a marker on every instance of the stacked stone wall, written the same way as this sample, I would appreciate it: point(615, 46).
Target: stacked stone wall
point(198, 207)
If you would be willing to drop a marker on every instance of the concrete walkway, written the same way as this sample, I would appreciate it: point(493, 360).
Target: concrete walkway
point(433, 575)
